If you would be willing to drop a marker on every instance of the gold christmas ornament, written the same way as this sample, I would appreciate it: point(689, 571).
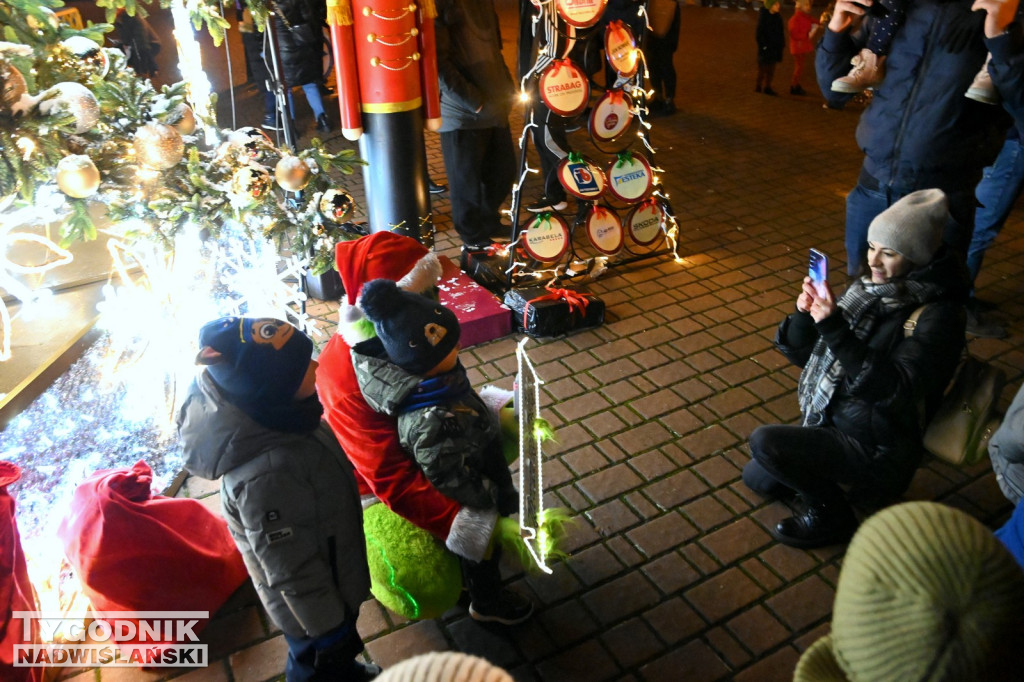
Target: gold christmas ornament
point(292, 173)
point(77, 176)
point(89, 54)
point(158, 145)
point(335, 206)
point(184, 119)
point(75, 99)
point(12, 85)
point(250, 183)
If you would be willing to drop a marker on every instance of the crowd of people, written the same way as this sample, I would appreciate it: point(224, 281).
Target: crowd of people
point(387, 413)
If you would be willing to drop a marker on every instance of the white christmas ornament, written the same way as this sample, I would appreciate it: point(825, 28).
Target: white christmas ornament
point(77, 176)
point(75, 99)
point(158, 145)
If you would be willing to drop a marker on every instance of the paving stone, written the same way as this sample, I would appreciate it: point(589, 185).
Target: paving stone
point(233, 631)
point(694, 662)
point(726, 646)
point(658, 403)
point(707, 441)
point(803, 603)
point(603, 424)
point(761, 573)
point(651, 465)
point(758, 630)
point(788, 562)
point(260, 662)
point(419, 638)
point(662, 533)
point(622, 597)
point(568, 623)
point(723, 594)
point(631, 642)
point(670, 573)
point(669, 493)
point(594, 564)
point(777, 667)
point(584, 461)
point(707, 512)
point(717, 471)
point(735, 540)
point(584, 663)
point(609, 483)
point(612, 517)
point(642, 506)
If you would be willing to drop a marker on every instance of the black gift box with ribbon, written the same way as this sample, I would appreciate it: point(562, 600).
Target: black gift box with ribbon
point(541, 311)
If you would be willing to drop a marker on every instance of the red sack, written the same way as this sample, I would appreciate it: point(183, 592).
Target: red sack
point(133, 551)
point(16, 592)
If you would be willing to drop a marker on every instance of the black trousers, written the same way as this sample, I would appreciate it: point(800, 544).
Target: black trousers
point(483, 578)
point(813, 461)
point(481, 167)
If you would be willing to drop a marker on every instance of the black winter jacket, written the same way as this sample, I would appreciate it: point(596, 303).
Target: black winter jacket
point(888, 377)
point(300, 32)
point(919, 130)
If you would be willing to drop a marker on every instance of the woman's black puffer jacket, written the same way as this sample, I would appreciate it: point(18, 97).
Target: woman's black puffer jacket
point(890, 376)
point(299, 25)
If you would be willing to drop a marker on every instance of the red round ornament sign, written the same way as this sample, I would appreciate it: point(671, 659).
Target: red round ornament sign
point(612, 116)
point(644, 223)
point(604, 229)
point(580, 13)
point(620, 48)
point(629, 177)
point(564, 88)
point(581, 177)
point(546, 238)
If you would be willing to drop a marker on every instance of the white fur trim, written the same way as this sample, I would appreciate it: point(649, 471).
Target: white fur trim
point(495, 398)
point(349, 327)
point(425, 274)
point(471, 532)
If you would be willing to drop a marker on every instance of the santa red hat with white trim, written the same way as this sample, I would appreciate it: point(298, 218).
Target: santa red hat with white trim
point(380, 255)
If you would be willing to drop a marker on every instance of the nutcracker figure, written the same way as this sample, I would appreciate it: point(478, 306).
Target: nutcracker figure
point(386, 69)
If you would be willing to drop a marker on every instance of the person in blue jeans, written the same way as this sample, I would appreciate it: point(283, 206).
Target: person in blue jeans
point(1000, 185)
point(919, 130)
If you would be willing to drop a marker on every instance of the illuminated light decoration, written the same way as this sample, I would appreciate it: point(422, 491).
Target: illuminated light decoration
point(532, 433)
point(56, 256)
point(190, 64)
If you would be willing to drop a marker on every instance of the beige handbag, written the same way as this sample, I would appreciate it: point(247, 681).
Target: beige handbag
point(959, 431)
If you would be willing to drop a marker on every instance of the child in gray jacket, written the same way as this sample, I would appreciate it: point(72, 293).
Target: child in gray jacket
point(252, 419)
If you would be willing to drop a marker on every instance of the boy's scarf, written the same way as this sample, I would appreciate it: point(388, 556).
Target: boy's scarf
point(861, 306)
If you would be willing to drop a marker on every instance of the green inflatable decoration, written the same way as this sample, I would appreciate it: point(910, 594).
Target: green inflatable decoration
point(411, 572)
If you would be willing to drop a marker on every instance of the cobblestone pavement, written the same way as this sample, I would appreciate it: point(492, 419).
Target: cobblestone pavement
point(672, 574)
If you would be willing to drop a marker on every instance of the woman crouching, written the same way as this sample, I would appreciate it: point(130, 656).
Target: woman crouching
point(865, 379)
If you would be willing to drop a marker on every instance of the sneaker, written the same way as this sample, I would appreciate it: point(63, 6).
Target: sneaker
point(508, 608)
point(768, 91)
point(270, 123)
point(978, 325)
point(322, 124)
point(868, 71)
point(797, 90)
point(982, 90)
point(436, 188)
point(545, 205)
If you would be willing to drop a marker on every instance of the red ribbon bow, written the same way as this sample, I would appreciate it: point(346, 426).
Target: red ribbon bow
point(576, 301)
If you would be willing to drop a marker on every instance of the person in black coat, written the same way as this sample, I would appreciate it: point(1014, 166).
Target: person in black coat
point(864, 380)
point(299, 25)
point(770, 42)
point(139, 42)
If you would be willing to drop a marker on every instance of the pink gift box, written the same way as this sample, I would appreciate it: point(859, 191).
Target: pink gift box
point(481, 314)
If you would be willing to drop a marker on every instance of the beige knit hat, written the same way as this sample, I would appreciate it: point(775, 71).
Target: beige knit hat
point(444, 666)
point(926, 593)
point(913, 225)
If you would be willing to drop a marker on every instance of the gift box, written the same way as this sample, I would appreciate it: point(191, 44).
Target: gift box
point(486, 267)
point(541, 311)
point(481, 315)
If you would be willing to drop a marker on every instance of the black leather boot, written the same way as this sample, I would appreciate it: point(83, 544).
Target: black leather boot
point(818, 525)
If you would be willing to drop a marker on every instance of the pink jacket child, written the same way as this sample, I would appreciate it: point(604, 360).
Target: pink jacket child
point(802, 26)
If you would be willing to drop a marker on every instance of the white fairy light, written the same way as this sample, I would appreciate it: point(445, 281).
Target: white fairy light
point(190, 63)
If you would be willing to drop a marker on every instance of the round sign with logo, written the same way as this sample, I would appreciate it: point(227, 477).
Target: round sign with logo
point(604, 230)
point(620, 48)
point(629, 177)
point(580, 13)
point(546, 238)
point(581, 177)
point(612, 117)
point(564, 88)
point(644, 223)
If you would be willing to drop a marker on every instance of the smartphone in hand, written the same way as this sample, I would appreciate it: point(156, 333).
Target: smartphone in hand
point(818, 270)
